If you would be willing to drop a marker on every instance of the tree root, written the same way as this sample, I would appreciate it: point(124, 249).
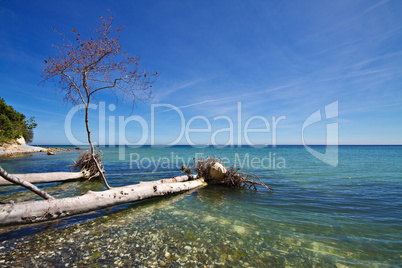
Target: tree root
point(237, 178)
point(86, 162)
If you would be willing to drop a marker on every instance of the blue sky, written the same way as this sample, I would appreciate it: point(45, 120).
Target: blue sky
point(263, 60)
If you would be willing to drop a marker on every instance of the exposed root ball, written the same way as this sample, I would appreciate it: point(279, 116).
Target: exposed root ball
point(85, 162)
point(233, 177)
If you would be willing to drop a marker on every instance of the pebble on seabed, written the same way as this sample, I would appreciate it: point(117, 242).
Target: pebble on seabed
point(147, 238)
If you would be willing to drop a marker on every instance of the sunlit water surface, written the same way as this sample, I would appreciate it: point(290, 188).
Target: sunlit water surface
point(318, 216)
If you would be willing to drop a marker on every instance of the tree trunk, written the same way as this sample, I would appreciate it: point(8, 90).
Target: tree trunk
point(172, 180)
point(29, 186)
point(37, 211)
point(90, 140)
point(47, 177)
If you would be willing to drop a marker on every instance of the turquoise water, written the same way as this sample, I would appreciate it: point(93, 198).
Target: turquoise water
point(318, 216)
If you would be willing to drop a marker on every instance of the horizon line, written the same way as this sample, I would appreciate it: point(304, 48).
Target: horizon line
point(228, 145)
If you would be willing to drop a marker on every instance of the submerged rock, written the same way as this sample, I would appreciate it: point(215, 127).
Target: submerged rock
point(167, 255)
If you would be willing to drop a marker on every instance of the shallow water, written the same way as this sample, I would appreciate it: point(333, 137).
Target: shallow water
point(318, 216)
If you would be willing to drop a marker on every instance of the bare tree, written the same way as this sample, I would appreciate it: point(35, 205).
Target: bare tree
point(84, 67)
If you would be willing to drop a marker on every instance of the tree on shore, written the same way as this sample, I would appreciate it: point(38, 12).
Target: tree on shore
point(84, 67)
point(13, 124)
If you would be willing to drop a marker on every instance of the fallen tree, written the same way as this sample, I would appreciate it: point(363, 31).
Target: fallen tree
point(210, 168)
point(47, 177)
point(44, 210)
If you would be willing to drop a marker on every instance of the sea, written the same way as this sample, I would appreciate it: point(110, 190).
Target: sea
point(346, 213)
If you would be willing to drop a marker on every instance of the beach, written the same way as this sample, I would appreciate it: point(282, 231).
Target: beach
point(20, 149)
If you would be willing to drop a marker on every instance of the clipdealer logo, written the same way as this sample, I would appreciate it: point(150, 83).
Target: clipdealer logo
point(238, 126)
point(331, 155)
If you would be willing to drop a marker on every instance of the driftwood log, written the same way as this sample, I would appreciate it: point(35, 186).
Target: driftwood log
point(44, 210)
point(47, 177)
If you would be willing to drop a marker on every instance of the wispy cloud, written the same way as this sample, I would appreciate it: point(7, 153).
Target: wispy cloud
point(165, 92)
point(41, 111)
point(372, 108)
point(287, 58)
point(201, 103)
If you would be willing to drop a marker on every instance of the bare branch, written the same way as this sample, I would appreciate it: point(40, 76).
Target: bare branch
point(74, 85)
point(111, 86)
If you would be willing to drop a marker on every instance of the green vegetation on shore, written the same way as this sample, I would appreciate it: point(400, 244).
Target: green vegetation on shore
point(13, 124)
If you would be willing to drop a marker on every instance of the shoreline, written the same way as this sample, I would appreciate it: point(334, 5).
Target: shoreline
point(23, 149)
point(28, 149)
